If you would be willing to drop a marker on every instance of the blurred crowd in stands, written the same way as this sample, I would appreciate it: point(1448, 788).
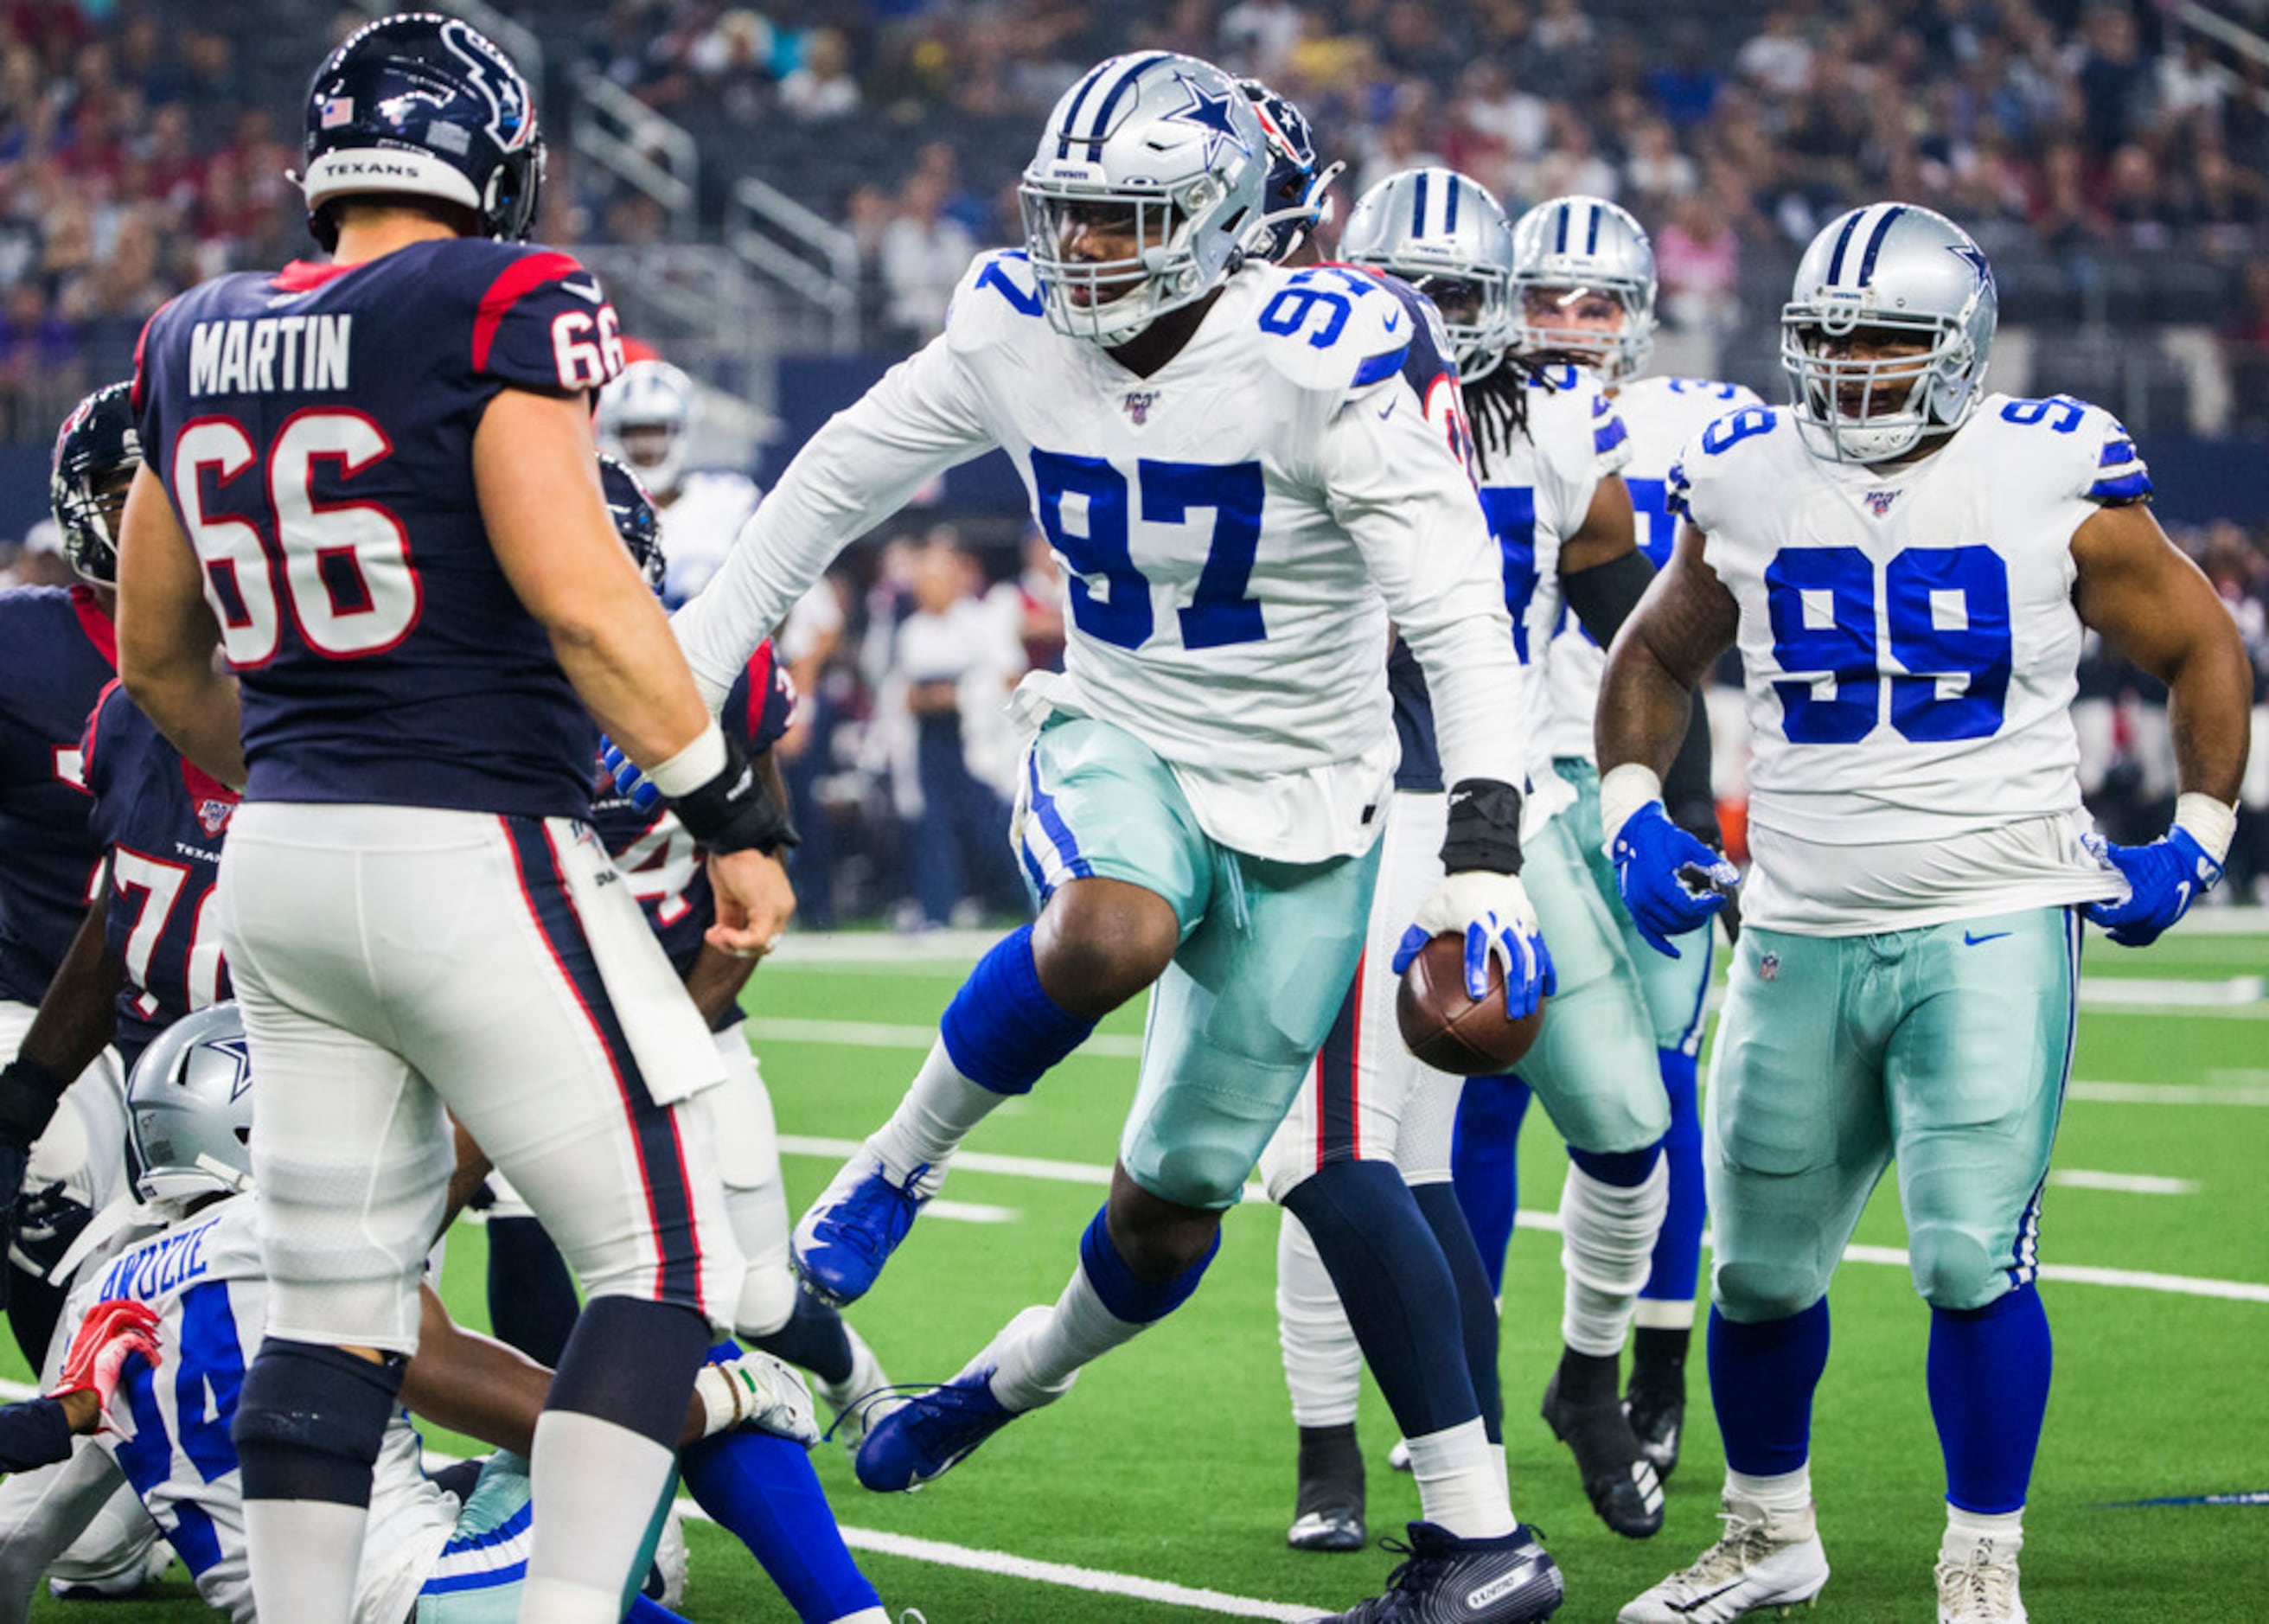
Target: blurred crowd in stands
point(145, 146)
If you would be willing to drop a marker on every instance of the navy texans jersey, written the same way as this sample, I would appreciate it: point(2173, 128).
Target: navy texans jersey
point(56, 651)
point(652, 849)
point(314, 431)
point(160, 822)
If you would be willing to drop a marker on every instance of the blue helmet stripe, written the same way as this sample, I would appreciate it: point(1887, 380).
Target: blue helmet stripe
point(1560, 235)
point(1450, 210)
point(1099, 126)
point(1875, 242)
point(1592, 236)
point(1071, 119)
point(1843, 241)
point(1418, 204)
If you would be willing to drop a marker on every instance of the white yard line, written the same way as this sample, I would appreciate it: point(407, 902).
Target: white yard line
point(882, 1034)
point(2125, 1184)
point(2165, 993)
point(972, 1211)
point(2163, 1094)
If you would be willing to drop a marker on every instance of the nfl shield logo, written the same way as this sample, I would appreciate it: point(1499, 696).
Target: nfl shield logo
point(1879, 502)
point(1769, 967)
point(1138, 404)
point(212, 815)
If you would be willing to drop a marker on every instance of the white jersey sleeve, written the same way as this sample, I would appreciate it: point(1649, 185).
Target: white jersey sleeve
point(1909, 644)
point(922, 419)
point(1660, 415)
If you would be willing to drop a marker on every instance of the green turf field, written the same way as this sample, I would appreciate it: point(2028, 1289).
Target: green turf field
point(1171, 1462)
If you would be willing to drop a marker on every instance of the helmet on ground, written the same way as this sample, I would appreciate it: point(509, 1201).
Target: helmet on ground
point(1890, 269)
point(1161, 153)
point(635, 520)
point(1567, 252)
point(97, 451)
point(189, 1106)
point(423, 106)
point(1442, 233)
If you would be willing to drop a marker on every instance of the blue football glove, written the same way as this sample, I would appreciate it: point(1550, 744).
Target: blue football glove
point(628, 780)
point(2164, 879)
point(1493, 912)
point(1671, 882)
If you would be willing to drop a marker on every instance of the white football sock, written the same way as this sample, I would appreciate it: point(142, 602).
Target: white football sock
point(1323, 1366)
point(1966, 1531)
point(1461, 1481)
point(1784, 1491)
point(1656, 1314)
point(940, 1108)
point(305, 1556)
point(1606, 1248)
point(1039, 1352)
point(595, 1486)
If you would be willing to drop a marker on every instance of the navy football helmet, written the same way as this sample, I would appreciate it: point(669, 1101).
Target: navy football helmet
point(1295, 198)
point(96, 454)
point(424, 106)
point(635, 520)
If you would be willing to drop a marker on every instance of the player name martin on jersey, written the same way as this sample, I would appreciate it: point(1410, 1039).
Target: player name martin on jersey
point(1235, 528)
point(1908, 633)
point(248, 354)
point(204, 1279)
point(658, 860)
point(160, 822)
point(1660, 415)
point(57, 649)
point(1535, 495)
point(323, 473)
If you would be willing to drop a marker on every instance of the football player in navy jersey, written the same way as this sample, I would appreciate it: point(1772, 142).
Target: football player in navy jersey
point(56, 651)
point(372, 486)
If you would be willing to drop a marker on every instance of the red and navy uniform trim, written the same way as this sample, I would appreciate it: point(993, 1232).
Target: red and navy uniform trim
point(654, 1128)
point(514, 283)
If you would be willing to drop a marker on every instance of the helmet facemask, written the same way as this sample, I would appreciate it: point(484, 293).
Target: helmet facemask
point(1112, 300)
point(1560, 318)
point(1872, 411)
point(1476, 314)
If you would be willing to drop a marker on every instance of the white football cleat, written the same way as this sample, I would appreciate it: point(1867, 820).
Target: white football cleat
point(1398, 1458)
point(1982, 1589)
point(1765, 1559)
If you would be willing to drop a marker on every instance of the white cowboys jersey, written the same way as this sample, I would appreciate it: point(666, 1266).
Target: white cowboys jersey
point(1237, 531)
point(204, 1277)
point(698, 527)
point(1910, 642)
point(1536, 496)
point(1660, 416)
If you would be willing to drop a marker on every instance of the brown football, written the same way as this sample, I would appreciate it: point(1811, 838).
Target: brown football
point(1450, 1032)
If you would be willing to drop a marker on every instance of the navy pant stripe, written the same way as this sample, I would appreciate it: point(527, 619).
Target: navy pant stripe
point(661, 1161)
point(1338, 1091)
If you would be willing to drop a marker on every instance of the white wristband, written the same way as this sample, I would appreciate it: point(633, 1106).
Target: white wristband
point(2212, 823)
point(693, 766)
point(1623, 791)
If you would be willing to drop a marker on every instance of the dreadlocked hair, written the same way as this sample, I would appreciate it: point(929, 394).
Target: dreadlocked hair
point(1497, 405)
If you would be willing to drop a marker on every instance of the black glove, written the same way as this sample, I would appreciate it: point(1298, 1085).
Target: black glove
point(28, 1093)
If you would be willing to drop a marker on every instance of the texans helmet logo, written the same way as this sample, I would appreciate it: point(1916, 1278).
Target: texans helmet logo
point(510, 120)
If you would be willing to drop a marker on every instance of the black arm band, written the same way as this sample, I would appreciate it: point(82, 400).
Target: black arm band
point(1604, 595)
point(1484, 830)
point(1686, 795)
point(734, 811)
point(28, 1094)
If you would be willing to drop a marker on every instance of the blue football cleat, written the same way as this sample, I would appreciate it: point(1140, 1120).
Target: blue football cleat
point(928, 1435)
point(855, 1226)
point(1445, 1580)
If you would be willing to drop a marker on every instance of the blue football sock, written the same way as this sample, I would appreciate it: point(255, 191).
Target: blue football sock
point(1989, 1390)
point(1476, 1302)
point(763, 1490)
point(1624, 1169)
point(1485, 1167)
point(1003, 1030)
point(1128, 1295)
point(1397, 1287)
point(531, 1295)
point(1761, 1378)
point(1676, 1273)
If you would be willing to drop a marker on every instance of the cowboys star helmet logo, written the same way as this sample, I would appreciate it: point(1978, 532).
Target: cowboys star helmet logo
point(1210, 114)
point(1971, 255)
point(235, 1051)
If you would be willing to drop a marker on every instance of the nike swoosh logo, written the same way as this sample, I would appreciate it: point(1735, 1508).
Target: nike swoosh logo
point(1393, 321)
point(1700, 1602)
point(1969, 940)
point(589, 294)
point(1389, 410)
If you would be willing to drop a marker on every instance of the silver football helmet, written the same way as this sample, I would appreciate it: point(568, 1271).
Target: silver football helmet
point(1573, 248)
point(645, 419)
point(1162, 149)
point(1897, 267)
point(189, 1106)
point(1442, 233)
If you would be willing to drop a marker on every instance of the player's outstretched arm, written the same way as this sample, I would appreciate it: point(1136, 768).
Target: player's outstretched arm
point(1671, 882)
point(169, 642)
point(2157, 608)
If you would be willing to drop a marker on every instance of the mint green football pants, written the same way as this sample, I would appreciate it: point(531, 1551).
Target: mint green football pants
point(1945, 1049)
point(1267, 952)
